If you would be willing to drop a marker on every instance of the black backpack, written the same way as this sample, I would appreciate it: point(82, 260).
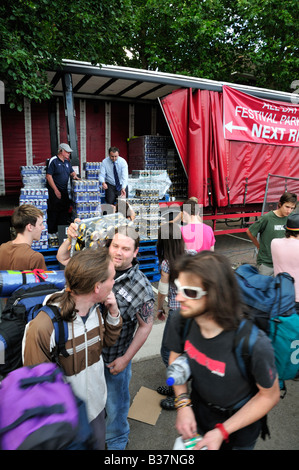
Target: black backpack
point(23, 305)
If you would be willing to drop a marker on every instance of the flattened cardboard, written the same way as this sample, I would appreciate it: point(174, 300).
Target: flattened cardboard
point(146, 406)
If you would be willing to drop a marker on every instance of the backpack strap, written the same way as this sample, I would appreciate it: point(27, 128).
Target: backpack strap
point(244, 341)
point(60, 327)
point(36, 412)
point(185, 325)
point(245, 338)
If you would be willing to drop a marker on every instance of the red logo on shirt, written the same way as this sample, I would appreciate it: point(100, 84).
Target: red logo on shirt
point(216, 367)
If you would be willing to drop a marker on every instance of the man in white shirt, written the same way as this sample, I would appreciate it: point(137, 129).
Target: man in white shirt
point(114, 176)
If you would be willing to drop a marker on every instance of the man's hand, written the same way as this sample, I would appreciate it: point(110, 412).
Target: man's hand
point(111, 304)
point(161, 315)
point(57, 193)
point(72, 231)
point(118, 365)
point(186, 423)
point(212, 440)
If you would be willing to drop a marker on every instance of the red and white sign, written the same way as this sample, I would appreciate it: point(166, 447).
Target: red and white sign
point(250, 119)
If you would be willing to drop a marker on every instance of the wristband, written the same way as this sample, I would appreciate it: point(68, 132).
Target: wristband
point(163, 287)
point(181, 401)
point(224, 432)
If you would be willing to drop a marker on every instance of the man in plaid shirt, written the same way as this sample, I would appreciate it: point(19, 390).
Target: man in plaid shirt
point(135, 300)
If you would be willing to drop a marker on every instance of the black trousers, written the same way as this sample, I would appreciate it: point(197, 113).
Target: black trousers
point(111, 194)
point(58, 211)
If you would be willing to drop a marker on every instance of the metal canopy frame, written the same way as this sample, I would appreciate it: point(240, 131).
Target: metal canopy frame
point(114, 83)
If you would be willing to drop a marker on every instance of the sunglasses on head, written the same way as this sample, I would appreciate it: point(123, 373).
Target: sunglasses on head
point(190, 292)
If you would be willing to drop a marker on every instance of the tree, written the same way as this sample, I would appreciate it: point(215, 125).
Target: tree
point(180, 37)
point(244, 41)
point(37, 34)
point(270, 30)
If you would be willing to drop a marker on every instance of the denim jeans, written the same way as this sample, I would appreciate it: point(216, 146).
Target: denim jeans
point(117, 408)
point(265, 270)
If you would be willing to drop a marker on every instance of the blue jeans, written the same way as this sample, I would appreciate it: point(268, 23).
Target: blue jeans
point(117, 408)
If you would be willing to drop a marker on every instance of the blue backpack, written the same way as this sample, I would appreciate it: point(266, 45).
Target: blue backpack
point(269, 304)
point(23, 305)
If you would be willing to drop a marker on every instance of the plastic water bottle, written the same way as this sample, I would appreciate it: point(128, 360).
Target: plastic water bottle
point(179, 371)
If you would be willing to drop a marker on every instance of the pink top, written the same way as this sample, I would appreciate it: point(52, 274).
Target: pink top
point(285, 255)
point(198, 237)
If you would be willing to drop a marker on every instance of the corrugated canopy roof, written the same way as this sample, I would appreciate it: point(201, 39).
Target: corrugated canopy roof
point(125, 83)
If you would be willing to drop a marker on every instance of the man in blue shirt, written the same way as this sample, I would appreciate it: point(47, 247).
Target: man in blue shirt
point(114, 176)
point(58, 173)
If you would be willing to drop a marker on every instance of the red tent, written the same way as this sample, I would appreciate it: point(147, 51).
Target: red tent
point(230, 161)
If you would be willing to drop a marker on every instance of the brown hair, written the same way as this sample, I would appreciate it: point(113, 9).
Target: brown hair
point(127, 231)
point(191, 206)
point(113, 149)
point(218, 279)
point(170, 246)
point(24, 215)
point(287, 197)
point(82, 272)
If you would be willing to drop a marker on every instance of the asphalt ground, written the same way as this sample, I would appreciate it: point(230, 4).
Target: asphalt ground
point(148, 371)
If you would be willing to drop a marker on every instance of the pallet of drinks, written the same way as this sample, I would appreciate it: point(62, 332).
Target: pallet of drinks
point(148, 152)
point(34, 192)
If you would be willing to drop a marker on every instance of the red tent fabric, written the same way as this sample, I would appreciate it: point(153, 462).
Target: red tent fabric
point(235, 171)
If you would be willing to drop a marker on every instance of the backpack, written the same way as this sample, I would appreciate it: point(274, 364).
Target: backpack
point(24, 304)
point(12, 280)
point(269, 302)
point(39, 411)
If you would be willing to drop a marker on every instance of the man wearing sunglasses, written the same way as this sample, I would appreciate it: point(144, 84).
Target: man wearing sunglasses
point(189, 292)
point(227, 409)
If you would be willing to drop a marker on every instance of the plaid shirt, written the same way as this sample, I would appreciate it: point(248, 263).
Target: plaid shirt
point(172, 292)
point(172, 303)
point(134, 294)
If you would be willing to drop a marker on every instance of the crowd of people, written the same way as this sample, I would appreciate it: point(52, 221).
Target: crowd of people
point(109, 299)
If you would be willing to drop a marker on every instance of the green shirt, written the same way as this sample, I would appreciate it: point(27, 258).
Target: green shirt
point(269, 226)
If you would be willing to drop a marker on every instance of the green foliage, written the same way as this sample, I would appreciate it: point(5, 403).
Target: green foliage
point(37, 34)
point(244, 41)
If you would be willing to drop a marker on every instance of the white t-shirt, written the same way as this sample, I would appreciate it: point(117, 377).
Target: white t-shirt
point(285, 255)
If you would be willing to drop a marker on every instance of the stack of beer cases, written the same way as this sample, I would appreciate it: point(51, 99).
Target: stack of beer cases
point(34, 192)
